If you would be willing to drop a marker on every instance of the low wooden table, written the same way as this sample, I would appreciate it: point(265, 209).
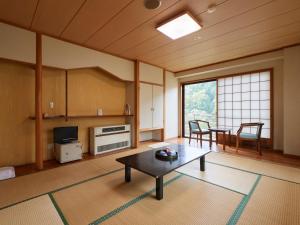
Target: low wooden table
point(147, 163)
point(224, 131)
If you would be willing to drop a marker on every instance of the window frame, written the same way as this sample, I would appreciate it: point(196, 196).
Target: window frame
point(266, 142)
point(183, 102)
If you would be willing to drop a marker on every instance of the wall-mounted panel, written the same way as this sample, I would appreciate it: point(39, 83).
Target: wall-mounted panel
point(152, 74)
point(69, 56)
point(17, 44)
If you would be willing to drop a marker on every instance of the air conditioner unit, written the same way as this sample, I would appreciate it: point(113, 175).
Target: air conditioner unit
point(109, 138)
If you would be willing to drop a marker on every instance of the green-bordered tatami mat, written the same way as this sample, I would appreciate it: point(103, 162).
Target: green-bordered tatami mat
point(274, 202)
point(230, 178)
point(38, 211)
point(25, 187)
point(256, 166)
point(84, 203)
point(186, 201)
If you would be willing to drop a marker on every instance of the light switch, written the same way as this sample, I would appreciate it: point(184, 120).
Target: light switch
point(51, 104)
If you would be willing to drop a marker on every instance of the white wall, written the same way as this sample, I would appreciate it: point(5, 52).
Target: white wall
point(292, 100)
point(66, 55)
point(171, 98)
point(19, 44)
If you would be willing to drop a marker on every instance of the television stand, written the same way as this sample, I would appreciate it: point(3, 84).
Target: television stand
point(67, 152)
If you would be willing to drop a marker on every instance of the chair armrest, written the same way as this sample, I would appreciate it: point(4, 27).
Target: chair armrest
point(251, 124)
point(203, 121)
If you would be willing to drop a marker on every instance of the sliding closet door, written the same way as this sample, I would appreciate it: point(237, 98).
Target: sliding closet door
point(145, 106)
point(158, 107)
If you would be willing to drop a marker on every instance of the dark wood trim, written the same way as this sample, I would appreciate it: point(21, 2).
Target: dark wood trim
point(39, 156)
point(292, 156)
point(224, 76)
point(49, 117)
point(137, 103)
point(237, 58)
point(146, 82)
point(96, 116)
point(163, 133)
point(66, 94)
point(182, 110)
point(79, 116)
point(272, 107)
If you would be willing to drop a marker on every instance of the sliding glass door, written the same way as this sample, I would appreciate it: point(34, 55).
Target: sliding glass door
point(199, 102)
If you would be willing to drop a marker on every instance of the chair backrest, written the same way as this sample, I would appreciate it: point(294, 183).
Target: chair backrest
point(194, 126)
point(258, 126)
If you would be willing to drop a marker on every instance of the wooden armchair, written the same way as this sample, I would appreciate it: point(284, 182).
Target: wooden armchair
point(196, 129)
point(249, 136)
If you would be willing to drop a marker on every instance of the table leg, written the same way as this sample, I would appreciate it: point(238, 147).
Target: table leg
point(202, 163)
point(159, 188)
point(127, 173)
point(216, 138)
point(224, 140)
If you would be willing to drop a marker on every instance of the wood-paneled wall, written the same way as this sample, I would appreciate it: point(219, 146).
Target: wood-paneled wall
point(89, 89)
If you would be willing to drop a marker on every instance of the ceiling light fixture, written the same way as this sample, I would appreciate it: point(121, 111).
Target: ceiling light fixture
point(179, 26)
point(152, 4)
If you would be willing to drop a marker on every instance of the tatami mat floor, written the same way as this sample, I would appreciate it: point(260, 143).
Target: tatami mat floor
point(232, 190)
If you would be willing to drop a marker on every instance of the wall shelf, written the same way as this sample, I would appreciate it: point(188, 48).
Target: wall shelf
point(49, 117)
point(80, 116)
point(96, 116)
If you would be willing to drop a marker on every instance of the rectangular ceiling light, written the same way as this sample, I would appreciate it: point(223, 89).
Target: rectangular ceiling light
point(179, 26)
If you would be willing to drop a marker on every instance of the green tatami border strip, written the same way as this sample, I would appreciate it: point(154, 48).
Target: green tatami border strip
point(211, 183)
point(240, 208)
point(262, 174)
point(62, 188)
point(130, 203)
point(60, 213)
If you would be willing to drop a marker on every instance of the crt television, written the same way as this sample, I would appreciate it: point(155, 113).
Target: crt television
point(65, 134)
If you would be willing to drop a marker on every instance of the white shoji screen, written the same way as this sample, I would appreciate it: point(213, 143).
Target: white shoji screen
point(244, 99)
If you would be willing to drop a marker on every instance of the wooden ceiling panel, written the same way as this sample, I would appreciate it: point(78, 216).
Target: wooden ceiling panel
point(270, 24)
point(126, 28)
point(239, 52)
point(243, 42)
point(52, 16)
point(91, 17)
point(18, 12)
point(158, 43)
point(148, 31)
point(133, 16)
